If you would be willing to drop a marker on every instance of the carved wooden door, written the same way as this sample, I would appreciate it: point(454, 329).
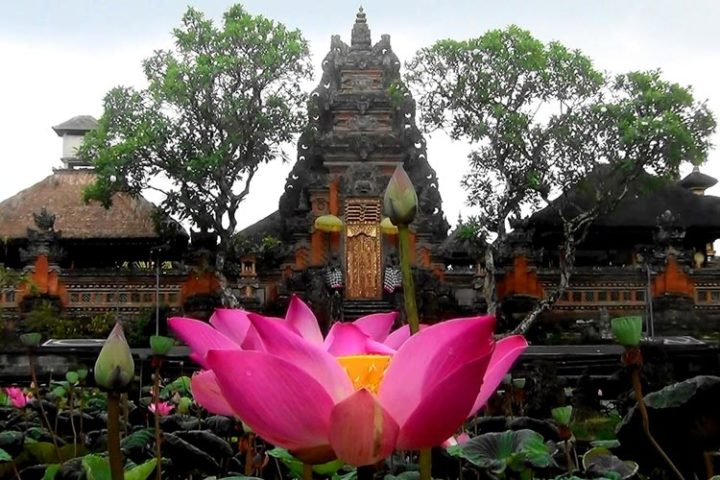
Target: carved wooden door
point(363, 249)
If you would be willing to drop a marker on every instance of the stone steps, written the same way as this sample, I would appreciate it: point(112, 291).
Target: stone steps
point(354, 309)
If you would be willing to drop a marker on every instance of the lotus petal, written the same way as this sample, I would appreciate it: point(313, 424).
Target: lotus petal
point(232, 323)
point(503, 357)
point(441, 410)
point(349, 339)
point(313, 359)
point(400, 336)
point(376, 326)
point(200, 337)
point(206, 391)
point(280, 401)
point(428, 357)
point(300, 318)
point(362, 432)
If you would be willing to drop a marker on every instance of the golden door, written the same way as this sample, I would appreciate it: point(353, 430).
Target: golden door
point(363, 253)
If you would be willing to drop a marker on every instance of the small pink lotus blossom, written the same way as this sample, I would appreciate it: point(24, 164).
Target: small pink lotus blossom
point(162, 408)
point(17, 397)
point(459, 439)
point(357, 394)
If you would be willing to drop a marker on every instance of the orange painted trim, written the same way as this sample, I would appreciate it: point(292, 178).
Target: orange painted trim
point(199, 284)
point(44, 282)
point(333, 200)
point(673, 281)
point(520, 280)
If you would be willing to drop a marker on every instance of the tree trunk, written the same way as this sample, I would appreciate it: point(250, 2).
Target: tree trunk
point(227, 298)
point(567, 263)
point(489, 283)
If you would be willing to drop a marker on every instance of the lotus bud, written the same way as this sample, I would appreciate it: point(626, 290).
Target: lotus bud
point(115, 368)
point(72, 377)
point(31, 339)
point(160, 345)
point(519, 383)
point(627, 330)
point(401, 202)
point(184, 405)
point(562, 415)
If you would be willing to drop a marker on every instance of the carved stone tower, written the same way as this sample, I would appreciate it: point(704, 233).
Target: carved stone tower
point(361, 125)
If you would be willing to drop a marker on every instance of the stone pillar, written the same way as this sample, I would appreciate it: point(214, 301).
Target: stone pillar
point(200, 292)
point(673, 291)
point(44, 286)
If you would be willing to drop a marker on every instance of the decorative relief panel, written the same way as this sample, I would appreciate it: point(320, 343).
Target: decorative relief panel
point(363, 248)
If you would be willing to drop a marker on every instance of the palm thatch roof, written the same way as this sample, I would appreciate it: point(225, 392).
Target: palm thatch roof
point(61, 194)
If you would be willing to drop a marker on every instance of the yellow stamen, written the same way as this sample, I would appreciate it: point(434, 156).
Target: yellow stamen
point(365, 371)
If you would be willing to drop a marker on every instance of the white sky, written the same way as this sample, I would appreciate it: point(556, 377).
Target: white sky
point(58, 59)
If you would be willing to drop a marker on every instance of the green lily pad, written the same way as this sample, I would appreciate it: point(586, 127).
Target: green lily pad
point(499, 451)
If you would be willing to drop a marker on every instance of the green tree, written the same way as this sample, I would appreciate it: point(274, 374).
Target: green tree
point(541, 120)
point(217, 106)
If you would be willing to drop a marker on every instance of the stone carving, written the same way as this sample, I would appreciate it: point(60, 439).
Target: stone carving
point(43, 240)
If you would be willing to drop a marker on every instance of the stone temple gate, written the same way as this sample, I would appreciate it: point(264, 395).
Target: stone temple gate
point(361, 126)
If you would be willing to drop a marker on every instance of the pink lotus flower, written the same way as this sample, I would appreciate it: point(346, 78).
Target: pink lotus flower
point(357, 394)
point(162, 408)
point(18, 399)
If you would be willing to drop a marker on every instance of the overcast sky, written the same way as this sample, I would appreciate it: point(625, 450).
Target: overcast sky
point(58, 59)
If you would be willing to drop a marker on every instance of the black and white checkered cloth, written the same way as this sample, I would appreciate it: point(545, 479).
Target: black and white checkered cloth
point(393, 279)
point(334, 278)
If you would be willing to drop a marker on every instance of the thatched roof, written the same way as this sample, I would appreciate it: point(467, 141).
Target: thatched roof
point(61, 195)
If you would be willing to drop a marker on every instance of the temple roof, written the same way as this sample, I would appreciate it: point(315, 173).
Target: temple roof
point(642, 205)
point(61, 194)
point(698, 181)
point(77, 125)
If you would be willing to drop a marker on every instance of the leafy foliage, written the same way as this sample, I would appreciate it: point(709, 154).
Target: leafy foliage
point(510, 449)
point(544, 123)
point(218, 105)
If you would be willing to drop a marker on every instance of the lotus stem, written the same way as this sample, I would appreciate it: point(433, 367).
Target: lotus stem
point(412, 319)
point(250, 457)
point(307, 472)
point(568, 458)
point(425, 464)
point(36, 391)
point(15, 470)
point(113, 441)
point(407, 278)
point(634, 352)
point(72, 418)
point(156, 415)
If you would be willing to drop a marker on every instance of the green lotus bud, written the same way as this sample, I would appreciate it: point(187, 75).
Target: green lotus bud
point(114, 368)
point(72, 377)
point(184, 405)
point(627, 330)
point(401, 202)
point(161, 345)
point(31, 339)
point(562, 415)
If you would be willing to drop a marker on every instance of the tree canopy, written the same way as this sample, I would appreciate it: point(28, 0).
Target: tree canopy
point(217, 106)
point(541, 118)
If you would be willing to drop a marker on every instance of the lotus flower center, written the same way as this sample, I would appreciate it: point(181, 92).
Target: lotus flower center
point(365, 371)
